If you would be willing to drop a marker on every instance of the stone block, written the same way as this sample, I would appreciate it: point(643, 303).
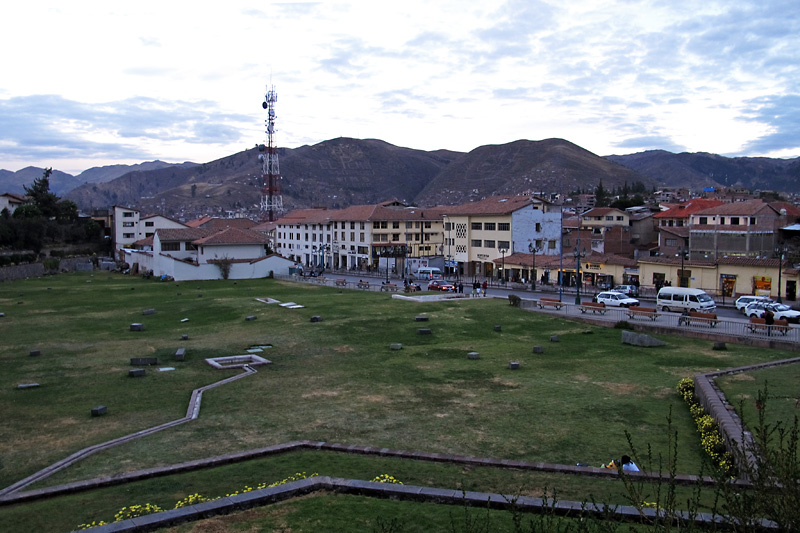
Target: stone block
point(316, 318)
point(538, 349)
point(424, 331)
point(719, 345)
point(396, 346)
point(184, 337)
point(554, 338)
point(180, 354)
point(251, 318)
point(137, 327)
point(473, 355)
point(144, 361)
point(513, 365)
point(640, 339)
point(498, 327)
point(27, 385)
point(149, 312)
point(35, 352)
point(100, 410)
point(136, 373)
point(2, 315)
point(421, 318)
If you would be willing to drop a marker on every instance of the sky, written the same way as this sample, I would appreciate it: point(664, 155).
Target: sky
point(90, 83)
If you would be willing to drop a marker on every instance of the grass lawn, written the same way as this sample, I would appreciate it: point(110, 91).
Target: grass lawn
point(334, 381)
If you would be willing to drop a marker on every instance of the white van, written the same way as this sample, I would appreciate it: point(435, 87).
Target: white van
point(680, 298)
point(428, 273)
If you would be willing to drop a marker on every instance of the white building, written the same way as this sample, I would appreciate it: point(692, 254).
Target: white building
point(130, 226)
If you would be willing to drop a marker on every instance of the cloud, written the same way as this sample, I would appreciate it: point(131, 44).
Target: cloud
point(651, 142)
point(45, 126)
point(782, 115)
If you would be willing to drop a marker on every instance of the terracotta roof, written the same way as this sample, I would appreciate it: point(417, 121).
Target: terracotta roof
point(233, 236)
point(221, 223)
point(196, 223)
point(748, 208)
point(680, 231)
point(494, 205)
point(147, 241)
point(554, 261)
point(318, 215)
point(602, 211)
point(688, 208)
point(182, 234)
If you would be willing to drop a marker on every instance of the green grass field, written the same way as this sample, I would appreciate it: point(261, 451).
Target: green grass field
point(336, 381)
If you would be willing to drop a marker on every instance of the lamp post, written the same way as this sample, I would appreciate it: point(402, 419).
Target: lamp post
point(681, 274)
point(578, 256)
point(503, 267)
point(447, 223)
point(532, 250)
point(323, 249)
point(387, 252)
point(780, 250)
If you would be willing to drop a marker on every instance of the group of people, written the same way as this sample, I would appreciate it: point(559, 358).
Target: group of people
point(625, 462)
point(477, 289)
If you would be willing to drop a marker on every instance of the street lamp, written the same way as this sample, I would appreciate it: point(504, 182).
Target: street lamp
point(447, 223)
point(681, 278)
point(323, 249)
point(780, 250)
point(388, 252)
point(532, 250)
point(503, 268)
point(578, 256)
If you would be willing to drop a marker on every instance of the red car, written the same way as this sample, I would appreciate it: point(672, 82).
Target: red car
point(439, 285)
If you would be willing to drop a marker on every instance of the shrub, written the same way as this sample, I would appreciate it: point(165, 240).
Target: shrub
point(623, 324)
point(514, 300)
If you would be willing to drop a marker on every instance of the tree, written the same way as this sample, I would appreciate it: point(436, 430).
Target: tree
point(601, 195)
point(41, 196)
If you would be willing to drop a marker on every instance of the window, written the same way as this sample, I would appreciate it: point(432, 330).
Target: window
point(672, 242)
point(127, 235)
point(476, 243)
point(752, 221)
point(620, 218)
point(376, 225)
point(488, 244)
point(703, 220)
point(551, 245)
point(352, 225)
point(409, 225)
point(360, 237)
point(149, 224)
point(170, 246)
point(609, 217)
point(395, 225)
point(127, 224)
point(504, 226)
point(489, 226)
point(352, 235)
point(734, 221)
point(538, 226)
point(127, 214)
point(477, 225)
point(395, 237)
point(503, 244)
point(361, 224)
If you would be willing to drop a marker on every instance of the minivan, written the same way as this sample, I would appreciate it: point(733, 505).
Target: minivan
point(680, 298)
point(428, 273)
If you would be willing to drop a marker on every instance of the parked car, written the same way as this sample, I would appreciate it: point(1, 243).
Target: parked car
point(630, 290)
point(616, 299)
point(780, 311)
point(744, 301)
point(439, 285)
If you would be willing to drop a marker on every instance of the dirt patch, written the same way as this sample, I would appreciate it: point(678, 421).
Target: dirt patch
point(620, 389)
point(374, 398)
point(320, 393)
point(505, 383)
point(343, 349)
point(741, 377)
point(582, 378)
point(213, 525)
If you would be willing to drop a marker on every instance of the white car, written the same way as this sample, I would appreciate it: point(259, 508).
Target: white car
point(744, 301)
point(616, 299)
point(779, 311)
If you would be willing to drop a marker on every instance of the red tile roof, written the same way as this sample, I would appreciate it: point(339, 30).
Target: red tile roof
point(233, 236)
point(688, 208)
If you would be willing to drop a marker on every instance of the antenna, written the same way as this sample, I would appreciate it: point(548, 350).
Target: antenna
point(271, 199)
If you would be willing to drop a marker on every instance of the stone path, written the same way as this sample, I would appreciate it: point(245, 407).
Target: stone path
point(191, 413)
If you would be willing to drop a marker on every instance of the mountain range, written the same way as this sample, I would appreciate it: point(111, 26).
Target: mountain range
point(345, 171)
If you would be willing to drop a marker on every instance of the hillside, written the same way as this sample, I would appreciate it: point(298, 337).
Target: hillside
point(710, 170)
point(15, 182)
point(551, 165)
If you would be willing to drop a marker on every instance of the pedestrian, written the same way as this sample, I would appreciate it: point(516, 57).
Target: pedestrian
point(769, 320)
point(474, 288)
point(484, 288)
point(460, 288)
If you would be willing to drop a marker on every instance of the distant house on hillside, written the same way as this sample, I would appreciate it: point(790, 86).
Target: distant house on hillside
point(196, 253)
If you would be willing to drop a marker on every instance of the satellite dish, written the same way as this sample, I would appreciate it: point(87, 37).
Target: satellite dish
point(264, 104)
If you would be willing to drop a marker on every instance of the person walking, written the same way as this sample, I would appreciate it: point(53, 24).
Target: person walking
point(769, 320)
point(485, 285)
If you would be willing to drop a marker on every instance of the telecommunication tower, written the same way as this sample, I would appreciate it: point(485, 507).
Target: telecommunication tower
point(271, 200)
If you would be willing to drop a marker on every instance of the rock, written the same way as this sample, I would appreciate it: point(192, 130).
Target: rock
point(719, 345)
point(396, 346)
point(513, 365)
point(554, 338)
point(424, 331)
point(137, 327)
point(498, 328)
point(316, 318)
point(250, 318)
point(538, 349)
point(640, 339)
point(473, 355)
point(100, 410)
point(136, 373)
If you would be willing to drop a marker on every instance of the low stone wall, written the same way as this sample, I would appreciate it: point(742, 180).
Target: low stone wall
point(37, 270)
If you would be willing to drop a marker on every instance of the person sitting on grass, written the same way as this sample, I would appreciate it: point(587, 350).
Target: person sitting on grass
point(628, 465)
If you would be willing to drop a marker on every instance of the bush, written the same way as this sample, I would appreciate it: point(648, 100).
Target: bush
point(623, 324)
point(514, 300)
